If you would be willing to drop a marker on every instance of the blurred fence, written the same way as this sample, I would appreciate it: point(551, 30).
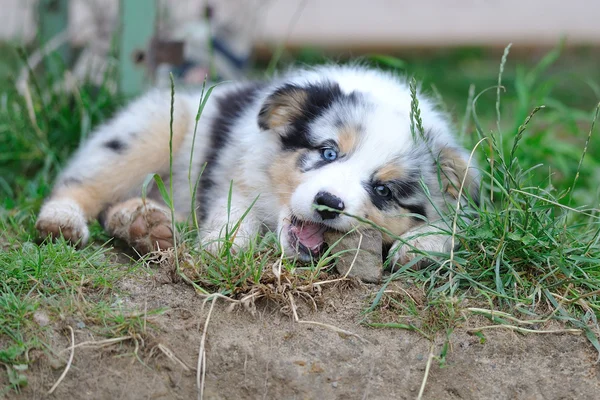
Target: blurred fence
point(348, 23)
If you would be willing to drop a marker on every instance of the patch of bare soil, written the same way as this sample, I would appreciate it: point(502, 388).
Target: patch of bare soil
point(270, 356)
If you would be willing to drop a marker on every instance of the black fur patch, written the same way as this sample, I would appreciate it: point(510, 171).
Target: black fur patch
point(417, 209)
point(230, 107)
point(403, 189)
point(320, 97)
point(116, 145)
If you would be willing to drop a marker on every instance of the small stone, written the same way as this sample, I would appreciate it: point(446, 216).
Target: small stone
point(368, 266)
point(80, 325)
point(334, 384)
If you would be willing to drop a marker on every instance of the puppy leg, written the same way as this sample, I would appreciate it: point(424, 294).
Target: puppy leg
point(428, 238)
point(221, 220)
point(144, 225)
point(112, 165)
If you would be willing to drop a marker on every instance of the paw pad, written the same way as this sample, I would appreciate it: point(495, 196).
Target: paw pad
point(144, 225)
point(151, 231)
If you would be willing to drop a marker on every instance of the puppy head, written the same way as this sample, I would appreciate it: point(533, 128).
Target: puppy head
point(347, 154)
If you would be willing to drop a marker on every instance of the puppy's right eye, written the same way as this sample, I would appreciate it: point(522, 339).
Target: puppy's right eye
point(382, 191)
point(329, 154)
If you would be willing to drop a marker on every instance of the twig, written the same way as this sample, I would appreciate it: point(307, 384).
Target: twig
point(62, 376)
point(355, 255)
point(339, 331)
point(403, 292)
point(200, 371)
point(102, 343)
point(494, 313)
point(170, 355)
point(427, 367)
point(220, 296)
point(525, 330)
point(293, 307)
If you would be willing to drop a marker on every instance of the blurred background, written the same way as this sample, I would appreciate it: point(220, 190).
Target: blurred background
point(227, 38)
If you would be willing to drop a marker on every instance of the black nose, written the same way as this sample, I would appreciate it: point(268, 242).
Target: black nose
point(331, 201)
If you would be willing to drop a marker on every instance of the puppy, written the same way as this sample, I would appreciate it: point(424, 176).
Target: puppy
point(316, 149)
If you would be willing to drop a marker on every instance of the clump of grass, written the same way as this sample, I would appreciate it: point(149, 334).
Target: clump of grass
point(526, 251)
point(50, 278)
point(38, 130)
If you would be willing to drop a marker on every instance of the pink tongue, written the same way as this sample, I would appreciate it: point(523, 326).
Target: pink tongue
point(310, 235)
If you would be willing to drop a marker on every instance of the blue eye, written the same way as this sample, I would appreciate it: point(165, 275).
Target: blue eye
point(329, 154)
point(382, 191)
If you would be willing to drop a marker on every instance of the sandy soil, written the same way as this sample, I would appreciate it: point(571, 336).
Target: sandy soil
point(270, 356)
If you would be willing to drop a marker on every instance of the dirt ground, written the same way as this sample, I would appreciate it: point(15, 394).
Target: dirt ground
point(270, 356)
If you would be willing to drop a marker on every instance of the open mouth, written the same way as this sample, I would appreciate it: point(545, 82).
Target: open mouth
point(307, 237)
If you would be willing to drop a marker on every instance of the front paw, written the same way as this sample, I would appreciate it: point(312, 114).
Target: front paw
point(406, 251)
point(63, 218)
point(216, 241)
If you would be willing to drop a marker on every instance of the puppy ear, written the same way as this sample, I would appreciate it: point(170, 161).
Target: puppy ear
point(282, 107)
point(453, 169)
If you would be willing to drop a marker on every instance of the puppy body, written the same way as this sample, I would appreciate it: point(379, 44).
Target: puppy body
point(305, 153)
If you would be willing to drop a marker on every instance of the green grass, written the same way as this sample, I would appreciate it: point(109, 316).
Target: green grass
point(52, 279)
point(58, 281)
point(530, 249)
point(533, 247)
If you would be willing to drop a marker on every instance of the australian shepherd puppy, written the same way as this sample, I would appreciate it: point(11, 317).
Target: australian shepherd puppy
point(307, 152)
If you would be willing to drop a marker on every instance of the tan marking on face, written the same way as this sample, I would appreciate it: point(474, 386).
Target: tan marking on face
point(391, 221)
point(389, 172)
point(285, 176)
point(348, 138)
point(283, 108)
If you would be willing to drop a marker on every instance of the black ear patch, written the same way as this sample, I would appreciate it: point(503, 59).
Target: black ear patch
point(291, 108)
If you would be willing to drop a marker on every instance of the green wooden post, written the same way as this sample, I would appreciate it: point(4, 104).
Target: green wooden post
point(54, 19)
point(137, 19)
